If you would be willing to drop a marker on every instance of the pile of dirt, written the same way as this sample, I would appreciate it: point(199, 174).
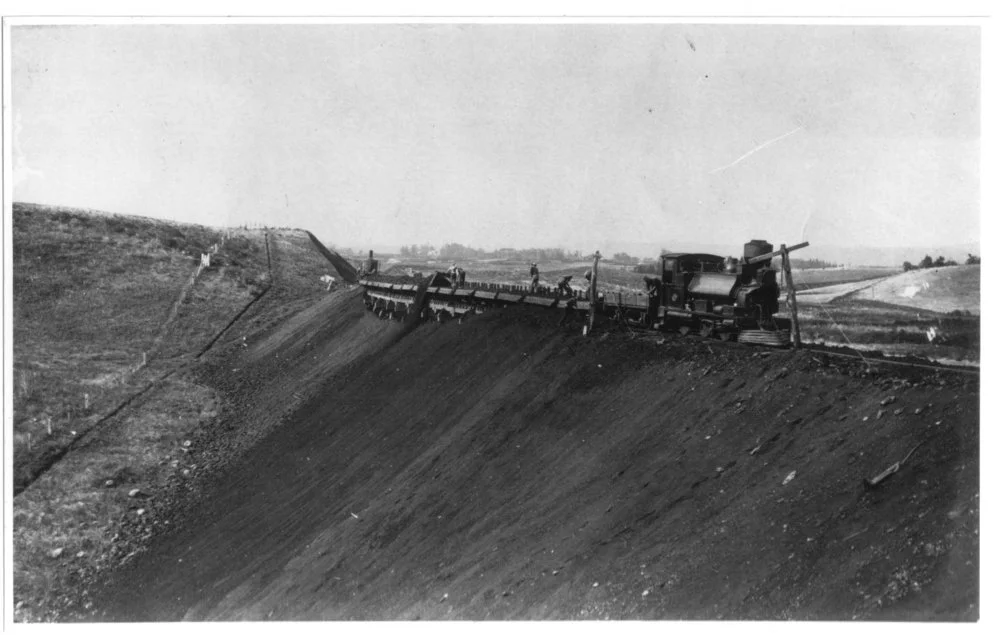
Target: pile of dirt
point(510, 468)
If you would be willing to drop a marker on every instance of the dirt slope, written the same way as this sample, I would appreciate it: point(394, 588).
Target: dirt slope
point(504, 468)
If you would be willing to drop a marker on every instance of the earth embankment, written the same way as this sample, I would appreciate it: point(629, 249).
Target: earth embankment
point(507, 468)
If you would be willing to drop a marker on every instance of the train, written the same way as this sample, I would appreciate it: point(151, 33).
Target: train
point(711, 295)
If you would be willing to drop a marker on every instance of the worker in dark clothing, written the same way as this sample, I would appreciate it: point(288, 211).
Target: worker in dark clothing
point(563, 286)
point(461, 277)
point(570, 311)
point(588, 276)
point(534, 277)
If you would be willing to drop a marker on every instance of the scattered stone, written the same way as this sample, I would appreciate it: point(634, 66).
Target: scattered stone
point(865, 418)
point(899, 411)
point(187, 443)
point(880, 414)
point(55, 553)
point(19, 605)
point(140, 512)
point(80, 554)
point(646, 592)
point(109, 483)
point(596, 584)
point(888, 400)
point(134, 492)
point(790, 477)
point(444, 598)
point(917, 411)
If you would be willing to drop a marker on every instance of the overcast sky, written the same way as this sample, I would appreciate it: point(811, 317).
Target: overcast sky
point(510, 135)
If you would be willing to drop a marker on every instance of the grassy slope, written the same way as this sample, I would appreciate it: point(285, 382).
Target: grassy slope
point(942, 289)
point(93, 301)
point(92, 292)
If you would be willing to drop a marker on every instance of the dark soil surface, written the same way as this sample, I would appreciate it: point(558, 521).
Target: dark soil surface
point(506, 468)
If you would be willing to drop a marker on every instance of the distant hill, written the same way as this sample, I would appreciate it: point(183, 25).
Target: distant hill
point(941, 289)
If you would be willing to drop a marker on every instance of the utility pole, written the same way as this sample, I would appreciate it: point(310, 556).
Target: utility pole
point(792, 300)
point(593, 295)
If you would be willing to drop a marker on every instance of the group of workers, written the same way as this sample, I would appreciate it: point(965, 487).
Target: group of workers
point(457, 277)
point(563, 283)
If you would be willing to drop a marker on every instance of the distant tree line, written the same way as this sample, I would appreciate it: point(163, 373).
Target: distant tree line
point(457, 251)
point(929, 262)
point(808, 263)
point(624, 259)
point(811, 263)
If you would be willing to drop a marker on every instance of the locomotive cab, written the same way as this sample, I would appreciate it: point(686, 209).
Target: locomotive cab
point(678, 270)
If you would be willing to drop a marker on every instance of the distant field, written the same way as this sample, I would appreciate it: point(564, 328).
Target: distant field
point(816, 278)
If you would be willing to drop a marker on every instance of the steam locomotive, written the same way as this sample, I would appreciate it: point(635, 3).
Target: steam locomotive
point(706, 292)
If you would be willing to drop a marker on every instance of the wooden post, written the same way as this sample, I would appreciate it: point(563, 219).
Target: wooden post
point(792, 300)
point(593, 294)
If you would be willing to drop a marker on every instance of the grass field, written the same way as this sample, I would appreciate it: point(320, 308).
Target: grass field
point(805, 279)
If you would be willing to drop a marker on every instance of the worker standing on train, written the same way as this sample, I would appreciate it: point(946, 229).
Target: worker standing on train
point(563, 285)
point(534, 277)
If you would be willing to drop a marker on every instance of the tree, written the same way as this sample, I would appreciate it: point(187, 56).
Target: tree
point(908, 266)
point(973, 260)
point(940, 262)
point(926, 262)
